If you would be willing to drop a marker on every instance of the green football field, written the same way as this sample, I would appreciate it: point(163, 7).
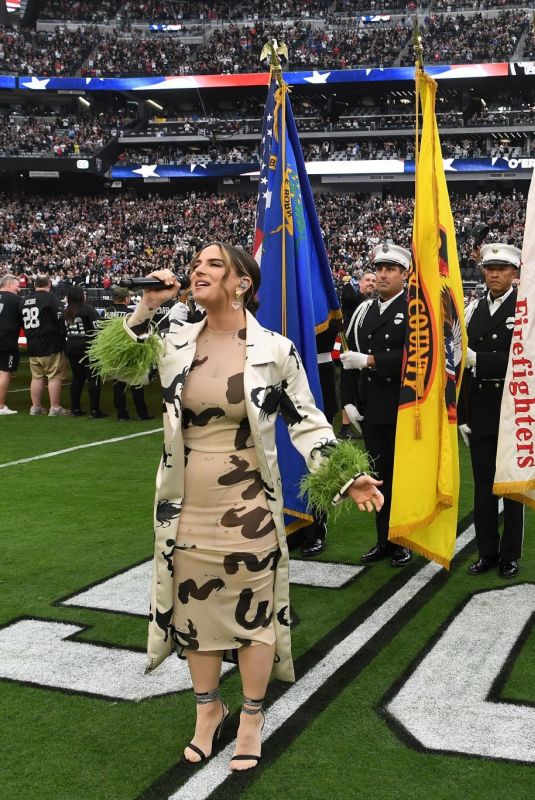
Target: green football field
point(412, 683)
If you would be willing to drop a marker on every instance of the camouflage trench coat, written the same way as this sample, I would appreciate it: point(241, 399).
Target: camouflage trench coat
point(274, 382)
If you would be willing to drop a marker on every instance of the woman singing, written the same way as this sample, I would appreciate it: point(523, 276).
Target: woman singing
point(220, 580)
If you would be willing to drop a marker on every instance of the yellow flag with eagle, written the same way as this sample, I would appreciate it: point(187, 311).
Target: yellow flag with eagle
point(425, 488)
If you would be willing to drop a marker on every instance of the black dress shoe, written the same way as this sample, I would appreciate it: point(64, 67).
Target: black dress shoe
point(313, 548)
point(77, 412)
point(98, 415)
point(146, 417)
point(376, 553)
point(508, 569)
point(482, 565)
point(401, 557)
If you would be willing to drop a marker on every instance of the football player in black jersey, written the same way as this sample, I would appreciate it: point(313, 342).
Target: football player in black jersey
point(45, 334)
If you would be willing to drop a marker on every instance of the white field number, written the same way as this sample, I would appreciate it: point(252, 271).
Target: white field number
point(444, 704)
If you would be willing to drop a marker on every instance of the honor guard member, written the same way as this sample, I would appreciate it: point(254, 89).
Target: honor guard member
point(489, 323)
point(350, 301)
point(313, 536)
point(10, 325)
point(376, 337)
point(121, 308)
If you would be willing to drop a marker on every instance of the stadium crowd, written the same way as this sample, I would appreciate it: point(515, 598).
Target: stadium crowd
point(63, 136)
point(158, 11)
point(362, 149)
point(447, 39)
point(456, 39)
point(174, 154)
point(237, 49)
point(57, 52)
point(94, 239)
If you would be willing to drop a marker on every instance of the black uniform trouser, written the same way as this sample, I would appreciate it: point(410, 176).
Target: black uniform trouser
point(327, 373)
point(119, 400)
point(80, 374)
point(380, 442)
point(509, 546)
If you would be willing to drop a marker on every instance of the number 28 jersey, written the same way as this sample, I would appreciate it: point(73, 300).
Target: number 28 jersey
point(45, 332)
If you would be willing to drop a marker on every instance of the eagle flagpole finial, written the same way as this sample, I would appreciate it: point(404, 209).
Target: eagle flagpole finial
point(275, 51)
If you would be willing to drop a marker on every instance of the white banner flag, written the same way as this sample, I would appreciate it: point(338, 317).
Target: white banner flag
point(515, 458)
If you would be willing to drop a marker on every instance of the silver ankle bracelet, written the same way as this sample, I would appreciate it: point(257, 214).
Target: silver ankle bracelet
point(256, 705)
point(207, 697)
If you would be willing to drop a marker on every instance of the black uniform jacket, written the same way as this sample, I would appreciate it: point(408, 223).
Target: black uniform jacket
point(383, 335)
point(350, 299)
point(490, 337)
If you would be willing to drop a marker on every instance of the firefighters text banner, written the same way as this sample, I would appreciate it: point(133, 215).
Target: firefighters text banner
point(515, 457)
point(425, 486)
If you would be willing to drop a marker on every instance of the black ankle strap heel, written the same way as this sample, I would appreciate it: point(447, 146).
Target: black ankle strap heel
point(252, 707)
point(202, 698)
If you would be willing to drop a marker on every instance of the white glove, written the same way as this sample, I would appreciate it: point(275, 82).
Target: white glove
point(470, 357)
point(353, 360)
point(179, 313)
point(354, 416)
point(465, 432)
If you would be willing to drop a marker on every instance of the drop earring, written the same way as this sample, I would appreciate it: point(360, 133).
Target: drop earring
point(237, 303)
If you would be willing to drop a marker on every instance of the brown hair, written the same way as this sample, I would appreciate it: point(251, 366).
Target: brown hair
point(75, 300)
point(244, 265)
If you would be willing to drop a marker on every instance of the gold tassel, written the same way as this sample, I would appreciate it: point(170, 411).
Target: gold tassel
point(417, 423)
point(420, 380)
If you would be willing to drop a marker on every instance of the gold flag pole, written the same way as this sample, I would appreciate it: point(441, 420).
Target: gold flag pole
point(274, 50)
point(418, 68)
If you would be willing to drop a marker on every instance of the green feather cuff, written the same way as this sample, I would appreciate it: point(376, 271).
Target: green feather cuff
point(343, 461)
point(115, 354)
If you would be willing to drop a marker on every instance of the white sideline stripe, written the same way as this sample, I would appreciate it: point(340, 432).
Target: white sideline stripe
point(207, 779)
point(79, 447)
point(14, 391)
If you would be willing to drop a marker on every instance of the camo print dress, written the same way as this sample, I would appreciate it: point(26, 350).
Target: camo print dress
point(226, 546)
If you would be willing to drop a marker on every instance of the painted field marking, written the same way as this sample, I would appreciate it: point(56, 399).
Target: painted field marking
point(208, 778)
point(129, 592)
point(27, 389)
point(79, 447)
point(444, 705)
point(55, 661)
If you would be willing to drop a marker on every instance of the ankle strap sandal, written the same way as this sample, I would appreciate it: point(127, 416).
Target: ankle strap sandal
point(250, 706)
point(201, 698)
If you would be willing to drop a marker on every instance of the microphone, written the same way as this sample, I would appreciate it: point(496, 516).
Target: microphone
point(154, 283)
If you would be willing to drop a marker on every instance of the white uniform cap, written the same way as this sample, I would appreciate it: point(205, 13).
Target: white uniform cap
point(391, 254)
point(499, 253)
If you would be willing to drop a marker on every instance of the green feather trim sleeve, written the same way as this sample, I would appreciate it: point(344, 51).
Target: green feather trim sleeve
point(342, 461)
point(115, 354)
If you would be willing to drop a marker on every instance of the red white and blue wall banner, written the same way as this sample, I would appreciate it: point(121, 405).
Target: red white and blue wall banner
point(382, 167)
point(8, 82)
point(317, 77)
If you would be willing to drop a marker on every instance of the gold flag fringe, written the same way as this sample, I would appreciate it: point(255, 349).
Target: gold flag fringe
point(515, 491)
point(400, 533)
